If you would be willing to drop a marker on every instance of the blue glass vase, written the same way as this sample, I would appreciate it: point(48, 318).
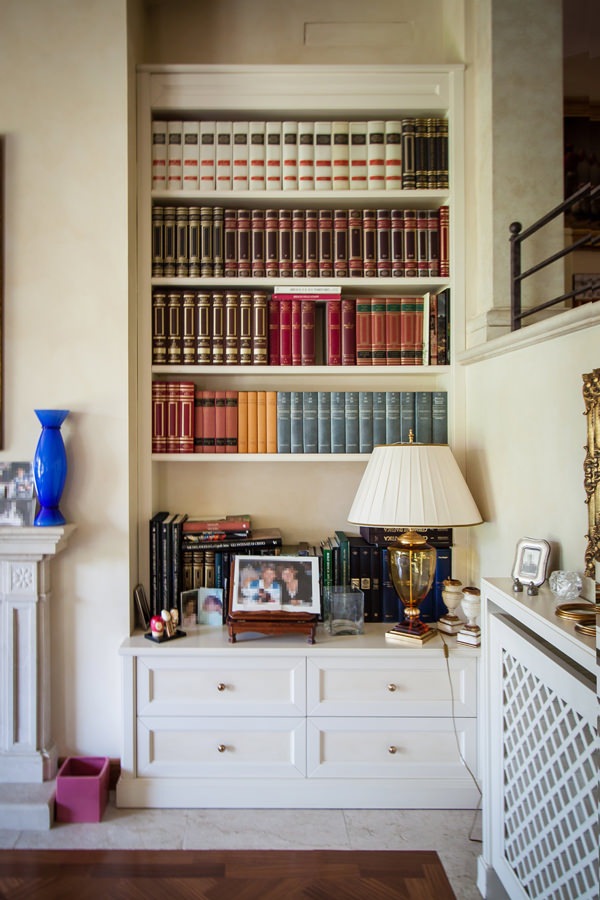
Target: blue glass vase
point(50, 466)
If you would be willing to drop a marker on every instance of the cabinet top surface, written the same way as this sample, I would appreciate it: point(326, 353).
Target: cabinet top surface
point(372, 643)
point(538, 613)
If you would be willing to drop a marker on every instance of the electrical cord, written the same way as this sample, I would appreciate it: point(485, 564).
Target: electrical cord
point(457, 739)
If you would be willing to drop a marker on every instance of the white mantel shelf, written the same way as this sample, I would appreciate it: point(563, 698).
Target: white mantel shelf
point(32, 541)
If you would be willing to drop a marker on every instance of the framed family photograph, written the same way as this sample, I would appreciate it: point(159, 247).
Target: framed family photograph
point(531, 561)
point(202, 606)
point(275, 583)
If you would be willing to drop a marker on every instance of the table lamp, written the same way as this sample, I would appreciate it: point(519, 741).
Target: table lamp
point(413, 486)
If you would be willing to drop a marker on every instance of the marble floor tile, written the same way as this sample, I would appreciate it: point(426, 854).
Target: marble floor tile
point(266, 829)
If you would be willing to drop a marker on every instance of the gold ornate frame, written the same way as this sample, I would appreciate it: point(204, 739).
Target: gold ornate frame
point(591, 468)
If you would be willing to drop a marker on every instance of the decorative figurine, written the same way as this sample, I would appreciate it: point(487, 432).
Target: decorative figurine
point(168, 620)
point(452, 596)
point(517, 586)
point(471, 604)
point(532, 589)
point(157, 628)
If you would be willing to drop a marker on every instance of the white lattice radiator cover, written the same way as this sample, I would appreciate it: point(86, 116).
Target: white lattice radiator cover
point(550, 787)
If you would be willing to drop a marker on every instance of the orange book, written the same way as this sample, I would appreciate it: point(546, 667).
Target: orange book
point(252, 422)
point(271, 398)
point(208, 422)
point(242, 422)
point(261, 422)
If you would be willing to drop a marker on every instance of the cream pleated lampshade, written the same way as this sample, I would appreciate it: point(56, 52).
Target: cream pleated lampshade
point(415, 486)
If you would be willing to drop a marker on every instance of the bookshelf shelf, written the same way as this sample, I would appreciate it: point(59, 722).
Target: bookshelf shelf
point(417, 199)
point(356, 285)
point(260, 457)
point(275, 372)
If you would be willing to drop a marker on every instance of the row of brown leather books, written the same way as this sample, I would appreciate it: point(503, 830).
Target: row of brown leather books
point(207, 242)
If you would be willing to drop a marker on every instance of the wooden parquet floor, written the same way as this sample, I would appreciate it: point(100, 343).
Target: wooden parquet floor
point(222, 875)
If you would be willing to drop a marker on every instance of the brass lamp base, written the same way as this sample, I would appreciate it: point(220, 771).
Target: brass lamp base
point(416, 634)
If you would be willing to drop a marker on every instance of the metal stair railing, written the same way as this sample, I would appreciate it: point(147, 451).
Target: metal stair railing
point(516, 239)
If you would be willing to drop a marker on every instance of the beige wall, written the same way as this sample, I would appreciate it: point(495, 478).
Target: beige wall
point(64, 116)
point(68, 275)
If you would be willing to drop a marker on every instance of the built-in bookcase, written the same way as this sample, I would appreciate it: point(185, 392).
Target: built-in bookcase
point(306, 494)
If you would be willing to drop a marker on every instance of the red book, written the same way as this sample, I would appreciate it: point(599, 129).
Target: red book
point(311, 243)
point(208, 422)
point(325, 242)
point(307, 332)
point(272, 243)
point(384, 235)
point(244, 265)
point(340, 237)
point(444, 218)
point(257, 243)
point(285, 243)
point(433, 242)
point(218, 524)
point(285, 332)
point(410, 243)
point(411, 331)
point(274, 336)
point(296, 332)
point(333, 331)
point(378, 347)
point(363, 332)
point(186, 423)
point(348, 334)
point(393, 335)
point(220, 422)
point(230, 243)
point(198, 422)
point(172, 417)
point(369, 243)
point(397, 242)
point(231, 421)
point(298, 241)
point(355, 243)
point(159, 417)
point(422, 244)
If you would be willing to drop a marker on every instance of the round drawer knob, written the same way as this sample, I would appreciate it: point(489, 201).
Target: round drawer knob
point(392, 750)
point(221, 686)
point(221, 748)
point(392, 687)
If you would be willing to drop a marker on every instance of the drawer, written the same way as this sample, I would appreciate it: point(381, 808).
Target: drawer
point(390, 748)
point(214, 686)
point(180, 747)
point(384, 687)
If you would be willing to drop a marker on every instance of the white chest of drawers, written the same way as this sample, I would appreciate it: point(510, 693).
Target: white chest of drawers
point(349, 722)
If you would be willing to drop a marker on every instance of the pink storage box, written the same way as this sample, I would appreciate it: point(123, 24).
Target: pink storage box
point(82, 789)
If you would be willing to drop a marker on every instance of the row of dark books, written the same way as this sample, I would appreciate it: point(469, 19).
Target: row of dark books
point(189, 419)
point(206, 242)
point(361, 561)
point(183, 559)
point(299, 328)
point(294, 155)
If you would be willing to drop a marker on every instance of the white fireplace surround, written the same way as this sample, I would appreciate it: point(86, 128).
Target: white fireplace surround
point(27, 750)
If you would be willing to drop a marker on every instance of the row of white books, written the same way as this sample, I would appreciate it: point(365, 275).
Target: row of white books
point(299, 156)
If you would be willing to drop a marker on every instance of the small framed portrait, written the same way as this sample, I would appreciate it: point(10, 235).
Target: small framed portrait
point(142, 607)
point(210, 606)
point(275, 583)
point(531, 561)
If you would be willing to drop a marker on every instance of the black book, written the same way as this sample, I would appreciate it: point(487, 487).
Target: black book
point(155, 560)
